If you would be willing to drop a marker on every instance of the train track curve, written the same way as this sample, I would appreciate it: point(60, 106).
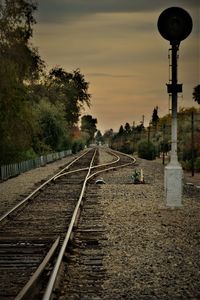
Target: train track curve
point(36, 233)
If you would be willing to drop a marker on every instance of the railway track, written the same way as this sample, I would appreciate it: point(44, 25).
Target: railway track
point(41, 236)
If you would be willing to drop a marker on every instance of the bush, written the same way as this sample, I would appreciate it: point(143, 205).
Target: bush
point(77, 146)
point(146, 150)
point(197, 164)
point(127, 148)
point(29, 154)
point(187, 154)
point(187, 165)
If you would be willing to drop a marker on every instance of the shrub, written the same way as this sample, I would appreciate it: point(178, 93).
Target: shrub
point(146, 150)
point(197, 164)
point(127, 148)
point(187, 165)
point(77, 146)
point(186, 154)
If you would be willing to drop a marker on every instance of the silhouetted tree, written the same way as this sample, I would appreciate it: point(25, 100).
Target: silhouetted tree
point(155, 117)
point(16, 28)
point(88, 125)
point(37, 112)
point(72, 90)
point(196, 94)
point(139, 128)
point(108, 135)
point(127, 128)
point(99, 137)
point(121, 131)
point(20, 65)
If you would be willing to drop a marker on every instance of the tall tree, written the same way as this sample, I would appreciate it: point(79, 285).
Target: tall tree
point(99, 137)
point(155, 117)
point(72, 90)
point(20, 64)
point(88, 125)
point(196, 94)
point(121, 131)
point(108, 135)
point(127, 128)
point(16, 29)
point(52, 131)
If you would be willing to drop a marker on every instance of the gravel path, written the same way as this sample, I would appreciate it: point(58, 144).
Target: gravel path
point(152, 252)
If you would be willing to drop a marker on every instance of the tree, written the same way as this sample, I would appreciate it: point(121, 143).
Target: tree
point(196, 94)
point(52, 127)
point(155, 117)
point(108, 135)
point(146, 150)
point(72, 90)
point(88, 125)
point(121, 131)
point(37, 112)
point(127, 128)
point(16, 28)
point(20, 64)
point(99, 137)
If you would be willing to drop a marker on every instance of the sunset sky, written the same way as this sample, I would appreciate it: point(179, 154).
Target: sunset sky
point(117, 46)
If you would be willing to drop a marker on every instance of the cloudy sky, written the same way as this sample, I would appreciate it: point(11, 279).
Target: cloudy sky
point(116, 45)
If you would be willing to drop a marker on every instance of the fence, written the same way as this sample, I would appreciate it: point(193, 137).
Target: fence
point(21, 167)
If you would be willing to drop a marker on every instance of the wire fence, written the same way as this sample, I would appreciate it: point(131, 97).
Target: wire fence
point(11, 170)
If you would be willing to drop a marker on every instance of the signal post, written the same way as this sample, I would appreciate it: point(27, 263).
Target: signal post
point(174, 24)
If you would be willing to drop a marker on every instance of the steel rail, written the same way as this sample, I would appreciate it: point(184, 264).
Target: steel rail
point(30, 285)
point(50, 287)
point(26, 290)
point(40, 187)
point(52, 280)
point(93, 167)
point(115, 167)
point(35, 277)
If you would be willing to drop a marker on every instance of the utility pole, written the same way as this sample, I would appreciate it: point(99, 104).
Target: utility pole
point(149, 131)
point(143, 120)
point(192, 141)
point(163, 156)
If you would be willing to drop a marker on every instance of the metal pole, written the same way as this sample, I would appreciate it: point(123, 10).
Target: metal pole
point(192, 141)
point(174, 158)
point(173, 171)
point(149, 130)
point(163, 154)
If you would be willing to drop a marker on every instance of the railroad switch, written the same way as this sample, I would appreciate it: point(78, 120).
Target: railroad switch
point(137, 177)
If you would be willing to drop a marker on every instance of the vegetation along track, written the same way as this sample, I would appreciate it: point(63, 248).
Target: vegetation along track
point(34, 236)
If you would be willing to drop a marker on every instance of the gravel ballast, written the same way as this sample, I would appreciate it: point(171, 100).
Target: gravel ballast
point(14, 189)
point(152, 252)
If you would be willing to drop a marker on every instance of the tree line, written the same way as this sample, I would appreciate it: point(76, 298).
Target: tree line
point(39, 110)
point(155, 140)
